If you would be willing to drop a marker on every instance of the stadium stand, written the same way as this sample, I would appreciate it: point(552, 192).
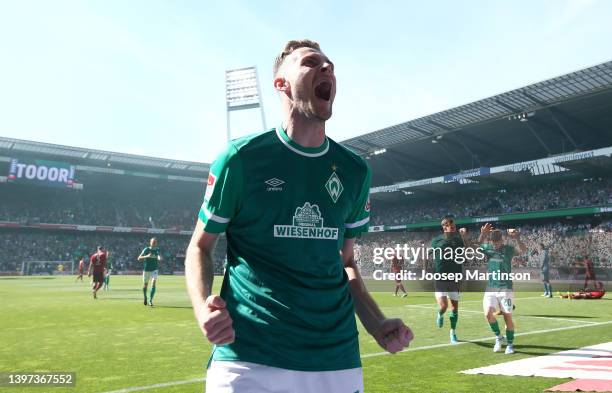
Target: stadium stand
point(538, 149)
point(114, 199)
point(567, 244)
point(148, 206)
point(544, 196)
point(17, 247)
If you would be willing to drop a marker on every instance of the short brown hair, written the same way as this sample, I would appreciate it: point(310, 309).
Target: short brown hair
point(447, 220)
point(289, 48)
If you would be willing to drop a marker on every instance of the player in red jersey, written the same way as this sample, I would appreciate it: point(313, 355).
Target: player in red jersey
point(589, 274)
point(80, 269)
point(587, 293)
point(97, 264)
point(396, 268)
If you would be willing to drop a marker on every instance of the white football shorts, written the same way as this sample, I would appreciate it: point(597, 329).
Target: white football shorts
point(501, 299)
point(453, 295)
point(146, 276)
point(245, 377)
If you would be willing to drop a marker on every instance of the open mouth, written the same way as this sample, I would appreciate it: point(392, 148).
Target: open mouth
point(323, 90)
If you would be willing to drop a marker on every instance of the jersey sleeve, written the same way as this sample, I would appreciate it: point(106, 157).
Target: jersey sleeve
point(359, 219)
point(223, 191)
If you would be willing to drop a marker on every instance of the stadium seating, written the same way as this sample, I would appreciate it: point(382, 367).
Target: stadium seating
point(147, 208)
point(576, 193)
point(177, 208)
point(566, 243)
point(17, 247)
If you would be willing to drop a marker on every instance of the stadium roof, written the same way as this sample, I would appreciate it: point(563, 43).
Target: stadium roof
point(568, 113)
point(77, 155)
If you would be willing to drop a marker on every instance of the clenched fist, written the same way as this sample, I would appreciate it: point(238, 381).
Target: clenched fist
point(393, 335)
point(215, 321)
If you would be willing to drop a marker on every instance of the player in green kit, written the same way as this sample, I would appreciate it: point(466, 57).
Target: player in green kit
point(544, 256)
point(499, 292)
point(109, 268)
point(151, 257)
point(291, 201)
point(445, 289)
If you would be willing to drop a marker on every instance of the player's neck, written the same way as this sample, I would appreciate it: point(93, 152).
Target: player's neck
point(303, 131)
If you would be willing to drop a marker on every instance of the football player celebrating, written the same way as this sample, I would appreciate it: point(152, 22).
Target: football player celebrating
point(444, 264)
point(291, 201)
point(499, 292)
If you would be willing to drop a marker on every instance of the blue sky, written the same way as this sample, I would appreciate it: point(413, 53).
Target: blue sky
point(147, 77)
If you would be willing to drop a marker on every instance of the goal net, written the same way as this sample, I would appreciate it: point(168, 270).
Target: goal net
point(46, 268)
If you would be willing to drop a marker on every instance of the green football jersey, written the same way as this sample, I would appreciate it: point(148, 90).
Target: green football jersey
point(150, 263)
point(286, 210)
point(442, 264)
point(499, 261)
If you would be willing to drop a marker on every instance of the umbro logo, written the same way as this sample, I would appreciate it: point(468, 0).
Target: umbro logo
point(274, 184)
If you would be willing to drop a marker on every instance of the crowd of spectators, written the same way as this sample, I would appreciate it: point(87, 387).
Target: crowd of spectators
point(176, 207)
point(568, 246)
point(576, 193)
point(17, 247)
point(148, 208)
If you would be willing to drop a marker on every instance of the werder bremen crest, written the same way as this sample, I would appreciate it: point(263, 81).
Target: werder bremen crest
point(334, 187)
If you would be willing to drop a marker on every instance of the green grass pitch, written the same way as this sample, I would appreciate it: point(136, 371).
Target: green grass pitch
point(115, 343)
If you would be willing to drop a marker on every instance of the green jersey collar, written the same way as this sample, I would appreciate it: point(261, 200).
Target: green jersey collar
point(301, 150)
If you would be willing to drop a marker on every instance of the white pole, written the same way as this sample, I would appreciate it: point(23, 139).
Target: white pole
point(263, 116)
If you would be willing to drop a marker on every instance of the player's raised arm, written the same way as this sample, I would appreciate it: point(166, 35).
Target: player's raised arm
point(390, 333)
point(212, 317)
point(519, 246)
point(484, 232)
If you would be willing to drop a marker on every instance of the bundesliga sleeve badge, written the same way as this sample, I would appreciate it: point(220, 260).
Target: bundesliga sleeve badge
point(210, 186)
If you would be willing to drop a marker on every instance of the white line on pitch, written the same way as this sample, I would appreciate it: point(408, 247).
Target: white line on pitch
point(371, 355)
point(516, 298)
point(557, 319)
point(158, 385)
point(462, 310)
